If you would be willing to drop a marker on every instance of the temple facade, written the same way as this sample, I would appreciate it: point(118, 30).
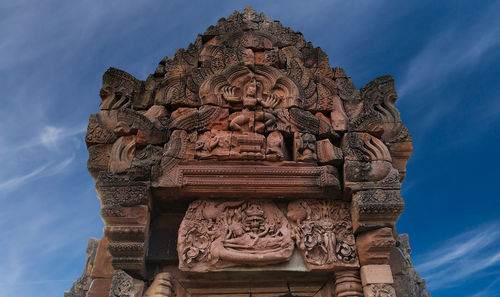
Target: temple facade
point(246, 165)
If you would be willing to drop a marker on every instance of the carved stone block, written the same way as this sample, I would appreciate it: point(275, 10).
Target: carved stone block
point(243, 121)
point(282, 124)
point(98, 161)
point(114, 190)
point(375, 209)
point(216, 234)
point(247, 146)
point(215, 180)
point(213, 118)
point(364, 148)
point(97, 132)
point(400, 153)
point(213, 145)
point(379, 290)
point(376, 274)
point(323, 232)
point(368, 163)
point(276, 149)
point(328, 153)
point(102, 267)
point(127, 232)
point(184, 118)
point(99, 287)
point(181, 146)
point(304, 147)
point(118, 89)
point(122, 153)
point(374, 247)
point(378, 115)
point(162, 286)
point(123, 285)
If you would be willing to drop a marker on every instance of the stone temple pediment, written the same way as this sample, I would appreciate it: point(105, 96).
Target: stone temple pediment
point(246, 164)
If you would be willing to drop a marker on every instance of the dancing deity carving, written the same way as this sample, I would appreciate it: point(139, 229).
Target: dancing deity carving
point(323, 232)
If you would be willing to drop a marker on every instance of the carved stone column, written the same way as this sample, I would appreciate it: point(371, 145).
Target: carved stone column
point(348, 283)
point(125, 211)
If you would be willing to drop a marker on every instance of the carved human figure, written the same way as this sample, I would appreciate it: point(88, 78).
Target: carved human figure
point(323, 232)
point(251, 92)
point(276, 147)
point(305, 147)
point(214, 235)
point(238, 122)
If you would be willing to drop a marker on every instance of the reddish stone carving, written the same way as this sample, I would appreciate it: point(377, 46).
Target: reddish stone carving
point(123, 285)
point(249, 115)
point(162, 286)
point(276, 148)
point(215, 234)
point(304, 147)
point(247, 146)
point(379, 290)
point(323, 232)
point(375, 209)
point(258, 180)
point(239, 86)
point(122, 153)
point(348, 283)
point(374, 247)
point(118, 89)
point(368, 163)
point(213, 145)
point(328, 153)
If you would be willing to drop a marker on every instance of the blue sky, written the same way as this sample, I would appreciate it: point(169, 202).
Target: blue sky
point(444, 55)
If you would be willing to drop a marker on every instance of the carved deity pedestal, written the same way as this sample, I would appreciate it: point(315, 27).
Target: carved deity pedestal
point(246, 166)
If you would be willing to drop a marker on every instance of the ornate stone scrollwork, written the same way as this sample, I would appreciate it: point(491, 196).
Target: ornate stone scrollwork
point(239, 86)
point(216, 234)
point(323, 232)
point(123, 285)
point(368, 163)
point(379, 290)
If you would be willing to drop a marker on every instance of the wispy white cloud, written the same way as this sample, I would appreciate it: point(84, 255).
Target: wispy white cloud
point(452, 50)
point(489, 291)
point(42, 171)
point(51, 136)
point(465, 256)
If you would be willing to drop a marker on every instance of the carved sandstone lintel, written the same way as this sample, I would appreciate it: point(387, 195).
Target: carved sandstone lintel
point(215, 235)
point(213, 179)
point(323, 233)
